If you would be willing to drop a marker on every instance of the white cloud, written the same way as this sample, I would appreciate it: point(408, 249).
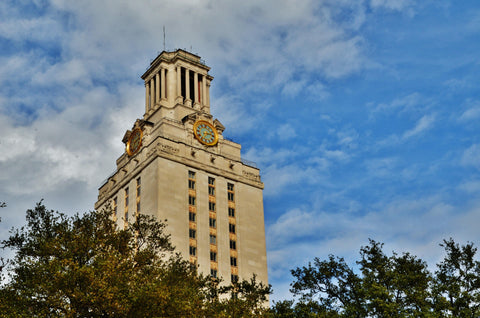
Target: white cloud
point(425, 123)
point(286, 132)
point(471, 156)
point(472, 113)
point(277, 178)
point(394, 5)
point(472, 186)
point(405, 103)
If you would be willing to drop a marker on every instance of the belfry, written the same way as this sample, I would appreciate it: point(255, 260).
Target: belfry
point(178, 166)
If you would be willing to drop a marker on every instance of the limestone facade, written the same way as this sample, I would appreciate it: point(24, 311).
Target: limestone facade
point(211, 198)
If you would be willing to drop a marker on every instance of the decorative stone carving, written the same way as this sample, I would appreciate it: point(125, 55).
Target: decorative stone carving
point(168, 149)
point(251, 176)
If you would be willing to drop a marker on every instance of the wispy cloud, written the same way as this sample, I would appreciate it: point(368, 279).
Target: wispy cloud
point(401, 104)
point(425, 123)
point(473, 112)
point(471, 156)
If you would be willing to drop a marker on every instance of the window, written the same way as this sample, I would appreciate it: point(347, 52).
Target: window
point(193, 250)
point(231, 212)
point(191, 200)
point(211, 186)
point(213, 273)
point(213, 256)
point(139, 182)
point(233, 245)
point(230, 193)
point(212, 222)
point(231, 228)
point(191, 180)
point(213, 239)
point(192, 233)
point(211, 206)
point(114, 207)
point(191, 216)
point(211, 181)
point(234, 278)
point(211, 190)
point(126, 197)
point(126, 205)
point(233, 261)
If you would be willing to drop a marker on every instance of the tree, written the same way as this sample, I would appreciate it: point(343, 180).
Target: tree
point(457, 282)
point(84, 266)
point(387, 286)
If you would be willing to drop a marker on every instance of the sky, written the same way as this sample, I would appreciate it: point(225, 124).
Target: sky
point(362, 115)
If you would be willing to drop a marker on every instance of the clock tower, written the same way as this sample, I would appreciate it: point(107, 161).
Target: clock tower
point(178, 166)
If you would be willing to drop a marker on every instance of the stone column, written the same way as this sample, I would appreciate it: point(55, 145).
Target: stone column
point(207, 96)
point(206, 99)
point(179, 97)
point(195, 90)
point(204, 91)
point(162, 74)
point(157, 88)
point(188, 101)
point(147, 95)
point(152, 95)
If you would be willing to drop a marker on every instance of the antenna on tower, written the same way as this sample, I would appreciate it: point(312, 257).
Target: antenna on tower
point(164, 38)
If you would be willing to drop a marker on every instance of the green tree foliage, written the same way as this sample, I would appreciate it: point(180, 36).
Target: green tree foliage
point(457, 281)
point(84, 266)
point(387, 286)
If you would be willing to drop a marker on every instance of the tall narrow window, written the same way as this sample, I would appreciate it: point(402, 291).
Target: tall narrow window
point(213, 256)
point(212, 222)
point(192, 215)
point(230, 192)
point(231, 228)
point(231, 212)
point(211, 206)
point(192, 86)
point(213, 273)
point(211, 186)
point(114, 207)
point(183, 85)
point(191, 180)
point(126, 204)
point(213, 239)
point(233, 245)
point(139, 184)
point(233, 261)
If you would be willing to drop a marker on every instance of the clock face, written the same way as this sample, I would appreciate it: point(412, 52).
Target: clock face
point(134, 141)
point(205, 133)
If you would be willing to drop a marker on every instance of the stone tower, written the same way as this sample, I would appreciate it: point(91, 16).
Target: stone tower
point(178, 166)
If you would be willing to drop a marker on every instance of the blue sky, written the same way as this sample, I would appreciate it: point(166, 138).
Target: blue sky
point(362, 115)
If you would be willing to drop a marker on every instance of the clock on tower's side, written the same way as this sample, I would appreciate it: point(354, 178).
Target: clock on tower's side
point(134, 142)
point(178, 166)
point(205, 132)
